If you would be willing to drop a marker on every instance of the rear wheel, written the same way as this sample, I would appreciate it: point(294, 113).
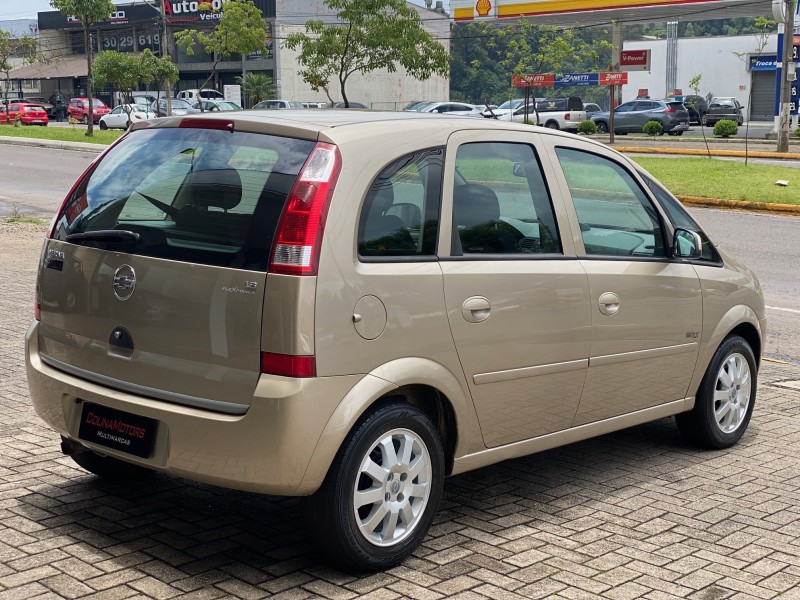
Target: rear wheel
point(602, 127)
point(382, 490)
point(552, 125)
point(726, 397)
point(103, 125)
point(85, 119)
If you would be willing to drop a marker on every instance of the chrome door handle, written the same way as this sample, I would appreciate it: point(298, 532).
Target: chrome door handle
point(609, 303)
point(476, 309)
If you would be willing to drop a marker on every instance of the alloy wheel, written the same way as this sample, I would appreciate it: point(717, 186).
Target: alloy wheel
point(732, 393)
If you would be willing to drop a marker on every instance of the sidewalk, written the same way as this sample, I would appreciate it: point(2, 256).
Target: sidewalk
point(635, 514)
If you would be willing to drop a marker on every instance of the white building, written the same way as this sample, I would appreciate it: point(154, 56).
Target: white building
point(727, 66)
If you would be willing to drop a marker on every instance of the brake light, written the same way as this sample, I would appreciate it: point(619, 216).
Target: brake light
point(566, 116)
point(288, 365)
point(299, 234)
point(207, 124)
point(670, 110)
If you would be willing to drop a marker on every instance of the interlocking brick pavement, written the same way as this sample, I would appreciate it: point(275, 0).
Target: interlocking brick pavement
point(635, 514)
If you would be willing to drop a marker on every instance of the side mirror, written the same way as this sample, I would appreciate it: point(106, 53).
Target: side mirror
point(687, 244)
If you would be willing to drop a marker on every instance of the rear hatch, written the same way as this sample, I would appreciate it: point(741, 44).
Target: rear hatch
point(153, 280)
point(678, 112)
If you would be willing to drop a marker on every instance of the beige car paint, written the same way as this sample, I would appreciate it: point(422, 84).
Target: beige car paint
point(293, 428)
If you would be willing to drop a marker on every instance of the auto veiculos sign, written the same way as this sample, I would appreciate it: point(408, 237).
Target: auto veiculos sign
point(192, 10)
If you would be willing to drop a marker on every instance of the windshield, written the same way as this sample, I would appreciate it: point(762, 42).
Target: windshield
point(178, 103)
point(212, 94)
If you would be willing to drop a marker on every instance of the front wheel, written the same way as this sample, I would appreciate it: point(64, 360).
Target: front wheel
point(381, 492)
point(725, 400)
point(85, 119)
point(602, 127)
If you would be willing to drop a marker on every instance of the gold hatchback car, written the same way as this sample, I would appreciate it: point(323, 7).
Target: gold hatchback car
point(352, 306)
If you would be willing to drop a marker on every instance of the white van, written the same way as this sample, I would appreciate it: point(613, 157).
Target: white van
point(193, 96)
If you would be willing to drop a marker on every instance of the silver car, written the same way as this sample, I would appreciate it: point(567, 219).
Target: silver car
point(631, 117)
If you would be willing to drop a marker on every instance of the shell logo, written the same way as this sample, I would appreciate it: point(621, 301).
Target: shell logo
point(483, 7)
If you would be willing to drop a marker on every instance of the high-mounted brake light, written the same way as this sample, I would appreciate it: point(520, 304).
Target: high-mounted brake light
point(207, 124)
point(299, 234)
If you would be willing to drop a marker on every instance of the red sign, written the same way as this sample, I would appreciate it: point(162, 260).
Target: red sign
point(533, 80)
point(483, 7)
point(634, 60)
point(613, 78)
point(643, 93)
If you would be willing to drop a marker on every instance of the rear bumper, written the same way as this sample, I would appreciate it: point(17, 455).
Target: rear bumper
point(266, 450)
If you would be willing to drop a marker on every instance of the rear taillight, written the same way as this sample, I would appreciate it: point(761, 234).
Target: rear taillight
point(670, 110)
point(288, 365)
point(566, 116)
point(299, 233)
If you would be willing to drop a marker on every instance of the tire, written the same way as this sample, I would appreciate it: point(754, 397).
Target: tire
point(602, 127)
point(85, 119)
point(703, 119)
point(679, 132)
point(729, 383)
point(552, 125)
point(103, 125)
point(108, 467)
point(351, 532)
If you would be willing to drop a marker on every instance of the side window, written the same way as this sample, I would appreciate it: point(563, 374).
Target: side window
point(680, 218)
point(627, 107)
point(615, 215)
point(501, 204)
point(400, 215)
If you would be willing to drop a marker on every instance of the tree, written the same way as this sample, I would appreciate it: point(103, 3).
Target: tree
point(240, 30)
point(120, 69)
point(369, 35)
point(159, 70)
point(25, 47)
point(88, 12)
point(257, 87)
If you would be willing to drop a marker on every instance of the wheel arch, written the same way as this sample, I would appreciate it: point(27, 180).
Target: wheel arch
point(422, 383)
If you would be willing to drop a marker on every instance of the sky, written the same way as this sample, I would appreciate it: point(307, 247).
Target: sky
point(27, 9)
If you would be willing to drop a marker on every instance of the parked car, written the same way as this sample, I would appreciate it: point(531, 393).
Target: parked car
point(179, 107)
point(25, 114)
point(217, 106)
point(506, 107)
point(631, 117)
point(193, 96)
point(78, 108)
point(451, 108)
point(553, 113)
point(354, 309)
point(118, 117)
point(417, 104)
point(314, 104)
point(349, 105)
point(724, 108)
point(591, 108)
point(39, 100)
point(59, 106)
point(277, 104)
point(697, 107)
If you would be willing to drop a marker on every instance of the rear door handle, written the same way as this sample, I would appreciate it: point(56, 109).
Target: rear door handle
point(476, 309)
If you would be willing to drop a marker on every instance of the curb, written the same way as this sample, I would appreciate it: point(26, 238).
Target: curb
point(713, 152)
point(58, 145)
point(787, 209)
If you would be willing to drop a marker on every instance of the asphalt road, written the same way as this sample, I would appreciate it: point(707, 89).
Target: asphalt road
point(35, 180)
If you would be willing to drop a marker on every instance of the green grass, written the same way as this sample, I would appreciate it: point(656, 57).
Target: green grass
point(29, 220)
point(724, 179)
point(76, 133)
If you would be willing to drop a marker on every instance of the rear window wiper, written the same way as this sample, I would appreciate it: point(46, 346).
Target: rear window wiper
point(122, 235)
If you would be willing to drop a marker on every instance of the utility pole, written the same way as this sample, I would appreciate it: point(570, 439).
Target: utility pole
point(786, 77)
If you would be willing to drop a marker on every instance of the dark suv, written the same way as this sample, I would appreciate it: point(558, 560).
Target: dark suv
point(631, 117)
point(724, 108)
point(697, 107)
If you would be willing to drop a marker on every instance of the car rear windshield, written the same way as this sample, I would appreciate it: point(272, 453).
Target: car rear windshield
point(676, 105)
point(195, 195)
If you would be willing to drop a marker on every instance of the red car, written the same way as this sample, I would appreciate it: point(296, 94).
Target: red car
point(25, 113)
point(79, 109)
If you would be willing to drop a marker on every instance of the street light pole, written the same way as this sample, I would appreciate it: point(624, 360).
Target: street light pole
point(786, 81)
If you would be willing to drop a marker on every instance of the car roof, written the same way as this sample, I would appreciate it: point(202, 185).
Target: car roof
point(337, 126)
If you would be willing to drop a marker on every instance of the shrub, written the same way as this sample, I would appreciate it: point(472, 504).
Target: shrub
point(797, 132)
point(725, 128)
point(653, 128)
point(587, 127)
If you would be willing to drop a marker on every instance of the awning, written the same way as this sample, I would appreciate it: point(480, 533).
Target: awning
point(55, 68)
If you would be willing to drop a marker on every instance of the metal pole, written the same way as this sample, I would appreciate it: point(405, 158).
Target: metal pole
point(786, 83)
point(165, 52)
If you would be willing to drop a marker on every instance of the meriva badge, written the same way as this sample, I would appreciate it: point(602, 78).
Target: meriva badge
point(124, 282)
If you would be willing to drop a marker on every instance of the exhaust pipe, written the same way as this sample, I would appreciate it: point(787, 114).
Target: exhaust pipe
point(70, 448)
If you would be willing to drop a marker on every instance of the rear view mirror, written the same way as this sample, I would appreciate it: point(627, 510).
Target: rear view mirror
point(687, 244)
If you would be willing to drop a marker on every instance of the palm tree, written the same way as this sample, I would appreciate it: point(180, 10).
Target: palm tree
point(257, 87)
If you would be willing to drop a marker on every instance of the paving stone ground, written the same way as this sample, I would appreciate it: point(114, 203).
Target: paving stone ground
point(635, 514)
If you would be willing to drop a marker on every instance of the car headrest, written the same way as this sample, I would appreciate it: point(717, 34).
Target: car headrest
point(221, 188)
point(474, 204)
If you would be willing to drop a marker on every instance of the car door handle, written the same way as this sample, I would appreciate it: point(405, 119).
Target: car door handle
point(609, 303)
point(476, 309)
